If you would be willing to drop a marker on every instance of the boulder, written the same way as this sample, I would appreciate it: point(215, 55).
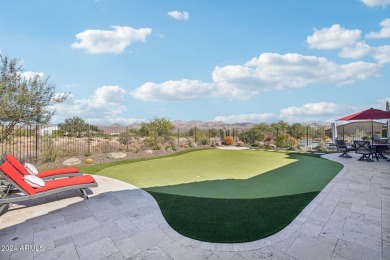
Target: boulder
point(116, 155)
point(71, 161)
point(148, 151)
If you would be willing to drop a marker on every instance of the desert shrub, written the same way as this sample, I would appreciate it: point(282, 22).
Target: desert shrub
point(149, 142)
point(107, 146)
point(286, 141)
point(129, 136)
point(154, 143)
point(251, 136)
point(321, 147)
point(228, 140)
point(170, 148)
point(50, 153)
point(204, 141)
point(193, 145)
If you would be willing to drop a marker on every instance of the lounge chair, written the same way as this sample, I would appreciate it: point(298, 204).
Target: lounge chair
point(47, 174)
point(364, 148)
point(343, 148)
point(16, 184)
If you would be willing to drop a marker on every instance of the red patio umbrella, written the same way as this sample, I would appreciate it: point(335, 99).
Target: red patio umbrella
point(369, 114)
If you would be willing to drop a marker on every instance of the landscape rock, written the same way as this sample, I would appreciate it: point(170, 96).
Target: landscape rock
point(148, 151)
point(72, 161)
point(116, 155)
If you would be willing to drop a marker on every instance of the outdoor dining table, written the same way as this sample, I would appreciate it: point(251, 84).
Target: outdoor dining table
point(380, 148)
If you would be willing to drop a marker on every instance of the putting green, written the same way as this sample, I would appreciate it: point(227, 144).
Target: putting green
point(203, 165)
point(229, 196)
point(227, 174)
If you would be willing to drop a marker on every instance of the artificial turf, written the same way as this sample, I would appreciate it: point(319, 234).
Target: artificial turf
point(230, 220)
point(229, 196)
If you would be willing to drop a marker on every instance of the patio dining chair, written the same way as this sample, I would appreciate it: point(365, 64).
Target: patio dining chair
point(343, 148)
point(364, 148)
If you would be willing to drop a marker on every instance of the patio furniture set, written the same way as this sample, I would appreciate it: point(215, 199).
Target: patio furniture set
point(20, 182)
point(366, 149)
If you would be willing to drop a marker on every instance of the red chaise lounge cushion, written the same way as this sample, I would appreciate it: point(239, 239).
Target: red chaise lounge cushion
point(17, 177)
point(20, 167)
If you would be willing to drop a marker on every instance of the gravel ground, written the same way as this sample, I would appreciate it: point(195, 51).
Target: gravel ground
point(98, 159)
point(102, 158)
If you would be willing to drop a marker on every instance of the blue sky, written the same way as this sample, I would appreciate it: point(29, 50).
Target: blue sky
point(234, 61)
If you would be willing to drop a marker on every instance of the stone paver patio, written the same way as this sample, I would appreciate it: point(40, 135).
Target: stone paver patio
point(349, 219)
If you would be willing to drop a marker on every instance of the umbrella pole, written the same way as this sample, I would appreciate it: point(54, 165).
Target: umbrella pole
point(372, 131)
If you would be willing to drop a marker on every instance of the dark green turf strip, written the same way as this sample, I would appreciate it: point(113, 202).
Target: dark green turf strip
point(230, 220)
point(224, 196)
point(306, 174)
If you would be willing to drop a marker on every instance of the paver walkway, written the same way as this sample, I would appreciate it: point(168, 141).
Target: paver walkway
point(349, 219)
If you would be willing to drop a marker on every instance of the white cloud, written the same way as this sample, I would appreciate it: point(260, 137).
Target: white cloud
point(332, 38)
point(357, 50)
point(106, 103)
point(238, 81)
point(173, 90)
point(31, 74)
point(321, 108)
point(183, 16)
point(115, 41)
point(376, 2)
point(382, 54)
point(383, 33)
point(292, 70)
point(310, 112)
point(251, 118)
point(316, 112)
point(268, 71)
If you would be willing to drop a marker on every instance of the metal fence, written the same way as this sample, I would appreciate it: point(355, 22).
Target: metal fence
point(46, 142)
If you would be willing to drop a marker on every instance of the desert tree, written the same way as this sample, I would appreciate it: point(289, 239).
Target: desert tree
point(160, 127)
point(76, 126)
point(24, 100)
point(157, 129)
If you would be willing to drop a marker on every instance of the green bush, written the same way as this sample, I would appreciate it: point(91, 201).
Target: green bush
point(321, 147)
point(285, 141)
point(50, 153)
point(204, 141)
point(151, 142)
point(128, 136)
point(251, 136)
point(171, 148)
